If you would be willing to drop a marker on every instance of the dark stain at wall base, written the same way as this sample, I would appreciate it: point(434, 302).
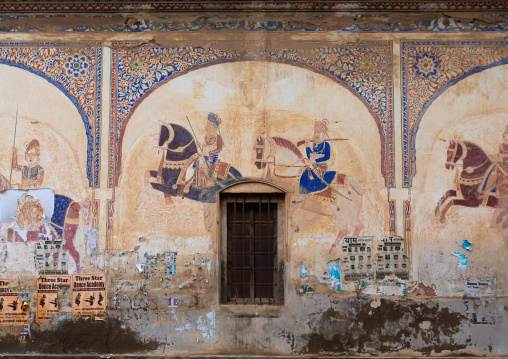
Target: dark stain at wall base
point(80, 337)
point(358, 328)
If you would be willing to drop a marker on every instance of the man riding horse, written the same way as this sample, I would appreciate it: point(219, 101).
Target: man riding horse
point(205, 167)
point(189, 169)
point(316, 177)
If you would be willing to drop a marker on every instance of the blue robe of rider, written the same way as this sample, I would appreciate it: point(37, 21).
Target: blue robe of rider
point(317, 177)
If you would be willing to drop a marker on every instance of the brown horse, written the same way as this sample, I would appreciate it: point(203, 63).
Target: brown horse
point(477, 184)
point(64, 222)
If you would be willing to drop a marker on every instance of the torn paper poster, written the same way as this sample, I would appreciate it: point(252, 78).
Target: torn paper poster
point(206, 325)
point(465, 244)
point(334, 275)
point(10, 197)
point(47, 293)
point(476, 289)
point(357, 258)
point(303, 270)
point(89, 295)
point(13, 309)
point(463, 260)
point(391, 258)
point(50, 255)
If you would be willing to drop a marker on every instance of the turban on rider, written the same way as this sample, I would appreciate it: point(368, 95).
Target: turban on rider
point(321, 126)
point(214, 119)
point(34, 144)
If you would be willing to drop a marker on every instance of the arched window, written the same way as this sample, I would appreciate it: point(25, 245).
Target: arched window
point(252, 243)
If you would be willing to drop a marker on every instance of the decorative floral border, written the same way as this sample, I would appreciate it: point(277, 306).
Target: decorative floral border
point(272, 22)
point(428, 69)
point(76, 71)
point(365, 68)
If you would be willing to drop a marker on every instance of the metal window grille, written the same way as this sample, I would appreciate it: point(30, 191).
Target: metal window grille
point(252, 250)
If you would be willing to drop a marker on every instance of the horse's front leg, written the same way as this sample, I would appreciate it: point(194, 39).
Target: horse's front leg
point(269, 168)
point(268, 172)
point(502, 214)
point(342, 234)
point(466, 202)
point(447, 195)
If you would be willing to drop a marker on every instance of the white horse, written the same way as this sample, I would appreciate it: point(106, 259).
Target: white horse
point(341, 202)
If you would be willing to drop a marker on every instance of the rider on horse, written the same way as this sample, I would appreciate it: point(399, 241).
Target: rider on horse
point(205, 168)
point(316, 177)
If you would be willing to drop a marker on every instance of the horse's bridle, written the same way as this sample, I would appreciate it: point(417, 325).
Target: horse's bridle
point(464, 153)
point(262, 145)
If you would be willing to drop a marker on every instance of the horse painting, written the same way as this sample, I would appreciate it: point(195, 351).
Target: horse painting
point(63, 223)
point(478, 183)
point(341, 201)
point(177, 167)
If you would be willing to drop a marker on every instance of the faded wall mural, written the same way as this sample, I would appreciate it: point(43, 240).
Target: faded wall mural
point(153, 191)
point(46, 201)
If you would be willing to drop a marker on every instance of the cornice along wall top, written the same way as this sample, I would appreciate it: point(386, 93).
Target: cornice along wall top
point(234, 5)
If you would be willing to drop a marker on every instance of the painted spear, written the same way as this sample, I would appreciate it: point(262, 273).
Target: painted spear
point(14, 144)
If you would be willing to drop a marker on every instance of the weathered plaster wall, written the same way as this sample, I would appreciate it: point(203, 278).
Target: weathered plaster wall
point(397, 98)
